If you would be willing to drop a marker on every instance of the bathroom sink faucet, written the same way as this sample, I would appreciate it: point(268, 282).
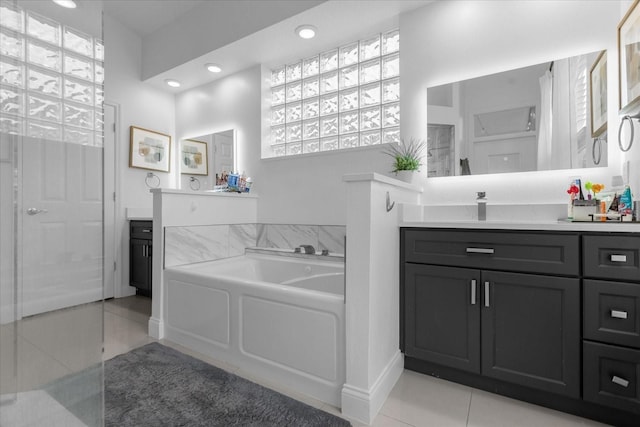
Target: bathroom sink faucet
point(308, 249)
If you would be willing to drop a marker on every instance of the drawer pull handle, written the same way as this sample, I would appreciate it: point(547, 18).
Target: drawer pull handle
point(480, 250)
point(473, 292)
point(146, 230)
point(620, 381)
point(618, 258)
point(618, 314)
point(486, 294)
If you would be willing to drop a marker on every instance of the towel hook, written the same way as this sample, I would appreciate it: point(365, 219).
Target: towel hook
point(624, 118)
point(598, 140)
point(156, 183)
point(389, 204)
point(192, 181)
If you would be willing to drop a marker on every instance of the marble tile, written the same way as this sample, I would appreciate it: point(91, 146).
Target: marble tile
point(241, 236)
point(38, 408)
point(331, 237)
point(186, 245)
point(261, 240)
point(289, 236)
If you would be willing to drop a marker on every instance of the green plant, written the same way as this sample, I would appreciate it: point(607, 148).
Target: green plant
point(406, 157)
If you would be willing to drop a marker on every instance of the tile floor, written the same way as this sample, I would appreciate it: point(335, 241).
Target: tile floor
point(416, 400)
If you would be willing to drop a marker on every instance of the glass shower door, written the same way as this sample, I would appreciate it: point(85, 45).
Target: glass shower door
point(51, 215)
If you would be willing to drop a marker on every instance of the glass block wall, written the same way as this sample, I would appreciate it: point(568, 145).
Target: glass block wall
point(51, 79)
point(345, 98)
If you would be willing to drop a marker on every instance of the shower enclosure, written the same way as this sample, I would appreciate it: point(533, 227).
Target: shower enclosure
point(51, 214)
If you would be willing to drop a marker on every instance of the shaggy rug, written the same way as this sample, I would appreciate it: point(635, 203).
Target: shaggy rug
point(155, 385)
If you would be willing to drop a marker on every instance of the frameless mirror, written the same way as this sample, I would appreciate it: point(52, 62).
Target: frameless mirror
point(202, 157)
point(542, 117)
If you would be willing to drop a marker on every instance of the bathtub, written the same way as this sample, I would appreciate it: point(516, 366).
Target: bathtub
point(279, 318)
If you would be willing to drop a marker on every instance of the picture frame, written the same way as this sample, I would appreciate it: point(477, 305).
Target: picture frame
point(194, 159)
point(598, 95)
point(629, 59)
point(149, 150)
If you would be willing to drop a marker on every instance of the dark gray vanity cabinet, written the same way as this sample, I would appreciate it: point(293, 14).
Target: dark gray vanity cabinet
point(140, 252)
point(552, 318)
point(611, 346)
point(471, 303)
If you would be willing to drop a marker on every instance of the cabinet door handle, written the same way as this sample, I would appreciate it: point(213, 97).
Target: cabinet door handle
point(618, 258)
point(486, 294)
point(473, 292)
point(620, 381)
point(144, 251)
point(480, 250)
point(619, 314)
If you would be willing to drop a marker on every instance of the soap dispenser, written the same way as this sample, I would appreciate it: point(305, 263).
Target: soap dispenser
point(482, 205)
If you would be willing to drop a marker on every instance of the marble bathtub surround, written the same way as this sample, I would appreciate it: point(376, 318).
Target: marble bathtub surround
point(186, 245)
point(288, 236)
point(189, 244)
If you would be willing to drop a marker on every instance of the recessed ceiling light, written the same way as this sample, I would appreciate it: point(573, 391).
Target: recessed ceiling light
point(306, 31)
point(214, 68)
point(69, 4)
point(172, 83)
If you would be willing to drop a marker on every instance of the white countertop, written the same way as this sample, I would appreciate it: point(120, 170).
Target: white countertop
point(560, 225)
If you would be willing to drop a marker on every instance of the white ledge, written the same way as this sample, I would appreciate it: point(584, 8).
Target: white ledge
point(559, 225)
point(376, 177)
point(204, 193)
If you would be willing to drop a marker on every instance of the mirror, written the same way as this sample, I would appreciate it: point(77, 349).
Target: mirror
point(532, 118)
point(202, 157)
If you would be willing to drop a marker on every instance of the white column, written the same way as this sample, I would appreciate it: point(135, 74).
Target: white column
point(373, 359)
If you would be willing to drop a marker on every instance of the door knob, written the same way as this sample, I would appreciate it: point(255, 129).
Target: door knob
point(35, 211)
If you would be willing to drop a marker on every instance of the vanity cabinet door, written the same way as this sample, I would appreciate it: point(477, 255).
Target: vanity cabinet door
point(442, 315)
point(531, 331)
point(140, 264)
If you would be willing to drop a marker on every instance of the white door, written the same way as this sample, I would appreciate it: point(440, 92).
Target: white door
point(62, 228)
point(223, 152)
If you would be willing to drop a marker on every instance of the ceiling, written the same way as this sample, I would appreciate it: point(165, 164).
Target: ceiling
point(338, 22)
point(145, 17)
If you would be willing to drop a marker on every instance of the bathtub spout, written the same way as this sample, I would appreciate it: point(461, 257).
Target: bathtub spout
point(308, 249)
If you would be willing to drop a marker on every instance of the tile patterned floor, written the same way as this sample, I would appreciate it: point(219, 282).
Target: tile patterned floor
point(416, 400)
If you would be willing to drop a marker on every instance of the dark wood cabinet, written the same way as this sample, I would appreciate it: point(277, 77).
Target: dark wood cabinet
point(140, 255)
point(552, 318)
point(524, 328)
point(531, 330)
point(442, 315)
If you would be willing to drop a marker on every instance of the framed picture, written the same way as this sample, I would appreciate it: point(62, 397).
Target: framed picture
point(629, 59)
point(598, 89)
point(149, 150)
point(193, 158)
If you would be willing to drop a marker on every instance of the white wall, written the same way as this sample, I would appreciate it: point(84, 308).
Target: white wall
point(139, 105)
point(450, 41)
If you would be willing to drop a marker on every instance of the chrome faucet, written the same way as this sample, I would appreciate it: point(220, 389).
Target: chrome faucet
point(308, 249)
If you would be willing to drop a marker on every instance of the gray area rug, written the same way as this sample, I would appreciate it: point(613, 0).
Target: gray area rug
point(156, 385)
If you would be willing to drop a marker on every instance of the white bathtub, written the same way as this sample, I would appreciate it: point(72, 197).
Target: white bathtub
point(280, 318)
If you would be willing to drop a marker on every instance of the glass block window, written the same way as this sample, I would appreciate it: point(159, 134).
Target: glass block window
point(51, 79)
point(346, 97)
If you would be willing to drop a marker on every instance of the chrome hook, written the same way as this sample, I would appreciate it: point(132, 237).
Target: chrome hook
point(389, 204)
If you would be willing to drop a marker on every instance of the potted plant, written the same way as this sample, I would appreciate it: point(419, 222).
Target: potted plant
point(407, 158)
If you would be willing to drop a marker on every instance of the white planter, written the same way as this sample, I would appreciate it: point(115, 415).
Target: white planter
point(411, 177)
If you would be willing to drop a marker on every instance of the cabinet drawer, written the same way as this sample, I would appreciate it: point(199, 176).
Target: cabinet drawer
point(611, 376)
point(612, 312)
point(141, 229)
point(611, 257)
point(514, 251)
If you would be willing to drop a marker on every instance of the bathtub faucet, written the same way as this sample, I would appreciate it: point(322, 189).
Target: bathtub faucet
point(308, 249)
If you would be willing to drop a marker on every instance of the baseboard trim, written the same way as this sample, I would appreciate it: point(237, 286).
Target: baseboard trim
point(363, 405)
point(156, 328)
